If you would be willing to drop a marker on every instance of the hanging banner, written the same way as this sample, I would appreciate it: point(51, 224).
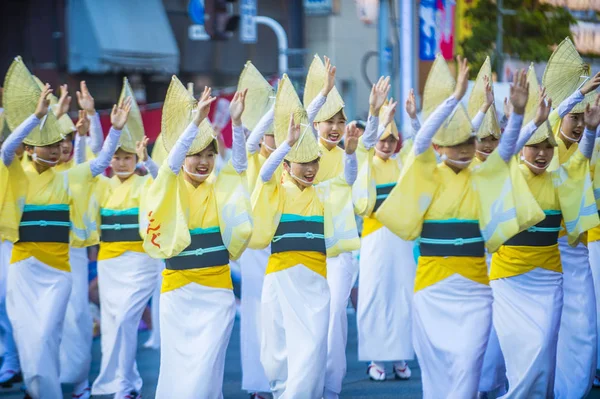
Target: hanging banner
point(436, 29)
point(248, 21)
point(445, 20)
point(427, 30)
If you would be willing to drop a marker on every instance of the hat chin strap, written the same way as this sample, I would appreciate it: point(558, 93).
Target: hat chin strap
point(483, 153)
point(124, 174)
point(300, 179)
point(268, 147)
point(197, 175)
point(568, 138)
point(534, 166)
point(336, 142)
point(444, 158)
point(382, 154)
point(47, 162)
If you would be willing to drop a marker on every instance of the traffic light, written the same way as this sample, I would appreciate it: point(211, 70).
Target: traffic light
point(219, 20)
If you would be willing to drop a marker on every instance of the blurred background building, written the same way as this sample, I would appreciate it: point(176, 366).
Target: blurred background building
point(207, 42)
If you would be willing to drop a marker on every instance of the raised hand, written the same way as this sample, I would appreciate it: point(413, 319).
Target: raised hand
point(592, 115)
point(120, 113)
point(330, 81)
point(43, 103)
point(236, 107)
point(353, 133)
point(85, 99)
point(544, 108)
point(411, 104)
point(390, 112)
point(462, 78)
point(83, 124)
point(64, 101)
point(519, 92)
point(591, 85)
point(379, 93)
point(141, 149)
point(508, 108)
point(293, 132)
point(203, 107)
point(489, 95)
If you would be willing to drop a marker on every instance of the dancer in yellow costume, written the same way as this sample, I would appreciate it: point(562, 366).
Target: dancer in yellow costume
point(58, 211)
point(126, 274)
point(258, 117)
point(526, 274)
point(458, 212)
point(304, 223)
point(568, 82)
point(197, 222)
point(328, 127)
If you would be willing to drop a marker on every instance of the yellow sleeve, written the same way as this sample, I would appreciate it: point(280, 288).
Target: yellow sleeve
point(267, 207)
point(14, 185)
point(405, 150)
point(576, 196)
point(529, 213)
point(143, 214)
point(84, 206)
point(341, 233)
point(595, 171)
point(364, 191)
point(403, 211)
point(233, 201)
point(167, 209)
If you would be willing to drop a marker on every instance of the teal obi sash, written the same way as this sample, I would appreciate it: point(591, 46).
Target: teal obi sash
point(299, 233)
point(452, 237)
point(205, 250)
point(120, 225)
point(383, 190)
point(543, 234)
point(45, 223)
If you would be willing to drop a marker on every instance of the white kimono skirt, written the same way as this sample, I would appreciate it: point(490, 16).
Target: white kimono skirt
point(527, 312)
point(594, 250)
point(10, 359)
point(578, 337)
point(295, 314)
point(36, 301)
point(385, 292)
point(451, 327)
point(126, 283)
point(253, 266)
point(195, 326)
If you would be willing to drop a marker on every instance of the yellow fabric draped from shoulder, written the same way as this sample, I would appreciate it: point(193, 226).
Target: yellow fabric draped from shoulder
point(576, 196)
point(364, 191)
point(167, 208)
point(12, 199)
point(84, 206)
point(404, 209)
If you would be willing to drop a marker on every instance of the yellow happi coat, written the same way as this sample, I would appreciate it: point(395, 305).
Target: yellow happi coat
point(72, 189)
point(174, 207)
point(483, 194)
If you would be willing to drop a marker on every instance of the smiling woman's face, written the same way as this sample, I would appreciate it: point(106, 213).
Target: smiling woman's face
point(485, 146)
point(538, 156)
point(572, 126)
point(462, 153)
point(303, 173)
point(201, 163)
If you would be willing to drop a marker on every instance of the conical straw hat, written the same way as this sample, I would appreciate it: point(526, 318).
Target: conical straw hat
point(66, 124)
point(260, 97)
point(288, 102)
point(544, 132)
point(159, 153)
point(315, 80)
point(134, 128)
point(589, 98)
point(21, 95)
point(4, 130)
point(438, 87)
point(565, 72)
point(392, 128)
point(456, 129)
point(489, 126)
point(178, 110)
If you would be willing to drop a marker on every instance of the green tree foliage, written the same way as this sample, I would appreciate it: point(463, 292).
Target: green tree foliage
point(528, 35)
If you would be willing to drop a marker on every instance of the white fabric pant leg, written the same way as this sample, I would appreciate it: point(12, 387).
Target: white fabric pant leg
point(577, 337)
point(153, 341)
point(196, 324)
point(126, 284)
point(385, 292)
point(76, 346)
point(340, 277)
point(253, 265)
point(295, 312)
point(11, 357)
point(527, 311)
point(451, 326)
point(594, 249)
point(36, 300)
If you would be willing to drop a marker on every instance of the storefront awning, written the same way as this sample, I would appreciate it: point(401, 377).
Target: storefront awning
point(120, 35)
